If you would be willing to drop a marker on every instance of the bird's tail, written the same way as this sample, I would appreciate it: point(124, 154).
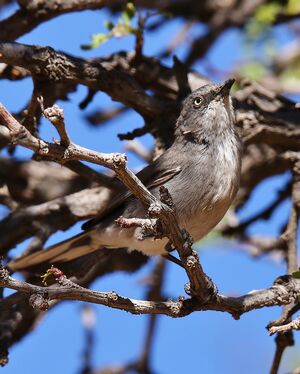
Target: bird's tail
point(64, 251)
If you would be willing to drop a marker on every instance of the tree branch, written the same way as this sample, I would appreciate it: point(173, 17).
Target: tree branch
point(284, 290)
point(45, 64)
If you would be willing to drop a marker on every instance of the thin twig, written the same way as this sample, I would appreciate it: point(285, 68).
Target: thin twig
point(154, 293)
point(293, 325)
point(282, 341)
point(88, 322)
point(284, 336)
point(138, 149)
point(56, 116)
point(264, 214)
point(286, 315)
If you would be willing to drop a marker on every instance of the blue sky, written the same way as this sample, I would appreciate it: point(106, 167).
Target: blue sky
point(206, 342)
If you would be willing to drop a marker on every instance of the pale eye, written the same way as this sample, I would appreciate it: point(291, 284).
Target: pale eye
point(197, 101)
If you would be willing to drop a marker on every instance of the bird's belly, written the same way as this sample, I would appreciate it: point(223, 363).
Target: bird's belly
point(198, 223)
point(130, 238)
point(205, 219)
point(150, 246)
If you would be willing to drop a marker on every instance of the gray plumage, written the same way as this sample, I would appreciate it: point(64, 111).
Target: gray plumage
point(201, 171)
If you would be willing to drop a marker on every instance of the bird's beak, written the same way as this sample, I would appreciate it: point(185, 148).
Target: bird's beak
point(224, 88)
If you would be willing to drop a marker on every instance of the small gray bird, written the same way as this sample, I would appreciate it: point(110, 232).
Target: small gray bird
point(201, 171)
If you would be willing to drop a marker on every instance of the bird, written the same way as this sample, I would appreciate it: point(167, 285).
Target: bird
point(201, 171)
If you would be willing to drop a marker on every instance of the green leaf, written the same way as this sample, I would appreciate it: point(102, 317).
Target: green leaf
point(296, 274)
point(293, 7)
point(253, 70)
point(130, 10)
point(267, 13)
point(97, 39)
point(263, 18)
point(122, 28)
point(128, 13)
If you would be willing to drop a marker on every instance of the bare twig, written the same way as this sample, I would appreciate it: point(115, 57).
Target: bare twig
point(284, 290)
point(285, 316)
point(143, 364)
point(154, 293)
point(63, 212)
point(293, 325)
point(282, 341)
point(30, 119)
point(93, 175)
point(102, 116)
point(291, 233)
point(285, 335)
point(264, 214)
point(138, 149)
point(259, 246)
point(181, 74)
point(56, 116)
point(88, 322)
point(134, 133)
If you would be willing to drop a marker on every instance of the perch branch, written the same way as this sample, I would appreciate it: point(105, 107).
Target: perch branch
point(284, 290)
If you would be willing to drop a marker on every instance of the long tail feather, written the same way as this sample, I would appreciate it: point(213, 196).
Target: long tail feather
point(64, 251)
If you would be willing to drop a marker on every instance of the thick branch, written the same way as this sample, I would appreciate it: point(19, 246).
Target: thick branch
point(59, 214)
point(45, 64)
point(284, 291)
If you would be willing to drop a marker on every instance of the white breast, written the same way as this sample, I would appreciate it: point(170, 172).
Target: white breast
point(201, 216)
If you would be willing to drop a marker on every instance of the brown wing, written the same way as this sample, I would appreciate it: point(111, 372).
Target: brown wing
point(81, 244)
point(151, 176)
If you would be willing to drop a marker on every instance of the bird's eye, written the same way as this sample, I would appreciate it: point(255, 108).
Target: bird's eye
point(197, 101)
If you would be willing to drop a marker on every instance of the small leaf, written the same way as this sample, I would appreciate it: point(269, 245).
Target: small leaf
point(128, 13)
point(130, 9)
point(45, 277)
point(97, 39)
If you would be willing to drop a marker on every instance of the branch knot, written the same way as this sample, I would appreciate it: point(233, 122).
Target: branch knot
point(155, 209)
point(119, 160)
point(39, 301)
point(4, 274)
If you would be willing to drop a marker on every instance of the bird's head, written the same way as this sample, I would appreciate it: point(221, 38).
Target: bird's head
point(207, 110)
